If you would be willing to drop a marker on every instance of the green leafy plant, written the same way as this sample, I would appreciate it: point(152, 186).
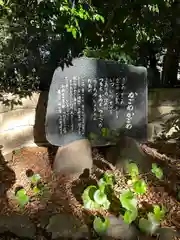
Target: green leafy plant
point(129, 202)
point(22, 197)
point(159, 212)
point(100, 197)
point(36, 190)
point(101, 225)
point(36, 185)
point(108, 179)
point(78, 13)
point(151, 224)
point(157, 171)
point(140, 187)
point(35, 178)
point(132, 169)
point(95, 197)
point(88, 198)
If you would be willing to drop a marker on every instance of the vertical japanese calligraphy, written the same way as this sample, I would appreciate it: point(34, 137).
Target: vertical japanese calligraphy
point(107, 95)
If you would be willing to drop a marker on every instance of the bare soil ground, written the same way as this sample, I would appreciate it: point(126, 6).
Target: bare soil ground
point(64, 195)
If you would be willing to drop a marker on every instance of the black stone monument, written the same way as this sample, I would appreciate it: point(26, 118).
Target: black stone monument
point(98, 100)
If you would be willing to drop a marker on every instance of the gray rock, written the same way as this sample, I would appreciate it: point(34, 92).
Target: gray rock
point(166, 233)
point(44, 219)
point(128, 149)
point(19, 225)
point(119, 230)
point(72, 159)
point(67, 226)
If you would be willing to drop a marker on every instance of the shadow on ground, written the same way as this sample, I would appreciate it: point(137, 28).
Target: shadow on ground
point(7, 180)
point(40, 117)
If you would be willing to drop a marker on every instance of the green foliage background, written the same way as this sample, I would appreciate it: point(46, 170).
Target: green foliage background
point(37, 36)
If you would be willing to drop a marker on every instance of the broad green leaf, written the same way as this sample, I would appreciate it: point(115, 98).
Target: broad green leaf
point(36, 190)
point(21, 193)
point(140, 186)
point(128, 200)
point(132, 169)
point(109, 178)
point(157, 171)
point(88, 198)
point(35, 178)
point(81, 14)
point(159, 213)
point(89, 192)
point(106, 205)
point(101, 183)
point(22, 197)
point(100, 197)
point(101, 225)
point(130, 216)
point(91, 205)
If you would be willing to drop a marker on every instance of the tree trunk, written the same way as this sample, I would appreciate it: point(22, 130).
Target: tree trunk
point(170, 64)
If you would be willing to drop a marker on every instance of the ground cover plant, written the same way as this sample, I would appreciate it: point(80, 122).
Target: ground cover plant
point(100, 197)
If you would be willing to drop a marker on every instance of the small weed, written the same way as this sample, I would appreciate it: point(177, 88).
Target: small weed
point(157, 171)
point(37, 187)
point(22, 197)
point(35, 178)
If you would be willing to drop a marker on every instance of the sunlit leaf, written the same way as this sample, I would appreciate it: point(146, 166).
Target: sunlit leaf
point(140, 187)
point(21, 192)
point(35, 178)
point(157, 171)
point(101, 182)
point(91, 205)
point(88, 198)
point(130, 216)
point(106, 204)
point(159, 213)
point(36, 190)
point(128, 200)
point(74, 33)
point(98, 17)
point(100, 197)
point(101, 225)
point(109, 178)
point(22, 197)
point(132, 169)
